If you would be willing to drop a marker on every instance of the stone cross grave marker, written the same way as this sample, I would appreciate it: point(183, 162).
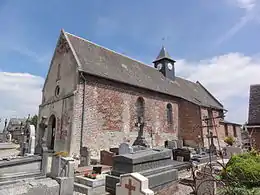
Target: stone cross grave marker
point(140, 140)
point(133, 184)
point(125, 148)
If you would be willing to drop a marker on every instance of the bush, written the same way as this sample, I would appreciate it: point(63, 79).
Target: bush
point(229, 140)
point(243, 170)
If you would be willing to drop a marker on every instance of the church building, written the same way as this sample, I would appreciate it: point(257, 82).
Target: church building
point(93, 96)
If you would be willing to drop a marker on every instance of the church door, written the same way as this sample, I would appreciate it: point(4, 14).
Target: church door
point(52, 131)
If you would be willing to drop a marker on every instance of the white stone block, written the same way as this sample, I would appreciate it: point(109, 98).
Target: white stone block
point(133, 184)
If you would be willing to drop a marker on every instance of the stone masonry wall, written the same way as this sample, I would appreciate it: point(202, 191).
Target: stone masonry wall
point(63, 112)
point(110, 115)
point(62, 73)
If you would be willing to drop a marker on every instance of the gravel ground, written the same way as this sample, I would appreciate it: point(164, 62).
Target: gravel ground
point(183, 190)
point(9, 152)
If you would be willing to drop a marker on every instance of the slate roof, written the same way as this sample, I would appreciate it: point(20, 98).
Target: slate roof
point(254, 105)
point(99, 61)
point(163, 55)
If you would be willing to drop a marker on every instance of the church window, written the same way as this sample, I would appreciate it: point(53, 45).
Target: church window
point(140, 108)
point(226, 129)
point(57, 91)
point(169, 114)
point(234, 131)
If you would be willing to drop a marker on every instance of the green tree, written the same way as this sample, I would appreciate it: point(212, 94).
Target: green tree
point(34, 120)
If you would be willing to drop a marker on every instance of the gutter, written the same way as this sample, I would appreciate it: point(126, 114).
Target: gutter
point(252, 126)
point(83, 108)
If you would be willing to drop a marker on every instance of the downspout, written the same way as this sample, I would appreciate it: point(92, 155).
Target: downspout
point(82, 114)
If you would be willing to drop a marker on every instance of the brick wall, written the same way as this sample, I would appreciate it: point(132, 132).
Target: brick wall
point(190, 123)
point(217, 129)
point(110, 115)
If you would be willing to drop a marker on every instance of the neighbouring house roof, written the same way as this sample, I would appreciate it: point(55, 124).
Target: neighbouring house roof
point(231, 123)
point(102, 62)
point(16, 122)
point(254, 105)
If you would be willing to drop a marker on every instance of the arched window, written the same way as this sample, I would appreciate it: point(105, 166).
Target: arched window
point(140, 108)
point(169, 114)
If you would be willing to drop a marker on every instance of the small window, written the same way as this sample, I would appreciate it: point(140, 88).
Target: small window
point(57, 91)
point(169, 114)
point(226, 129)
point(234, 131)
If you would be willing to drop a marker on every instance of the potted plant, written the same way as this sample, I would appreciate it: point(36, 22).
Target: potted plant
point(61, 154)
point(229, 140)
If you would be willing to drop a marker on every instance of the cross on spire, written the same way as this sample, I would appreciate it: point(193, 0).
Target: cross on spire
point(130, 187)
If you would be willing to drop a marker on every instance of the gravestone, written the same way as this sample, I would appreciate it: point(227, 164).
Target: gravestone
point(106, 157)
point(155, 164)
point(179, 143)
point(185, 153)
point(41, 146)
point(84, 156)
point(180, 158)
point(28, 144)
point(203, 158)
point(9, 137)
point(170, 144)
point(133, 184)
point(125, 148)
point(231, 150)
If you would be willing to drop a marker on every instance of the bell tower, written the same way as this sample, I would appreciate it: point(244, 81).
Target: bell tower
point(165, 64)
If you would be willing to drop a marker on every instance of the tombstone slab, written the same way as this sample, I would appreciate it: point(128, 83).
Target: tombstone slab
point(133, 184)
point(231, 150)
point(125, 148)
point(155, 164)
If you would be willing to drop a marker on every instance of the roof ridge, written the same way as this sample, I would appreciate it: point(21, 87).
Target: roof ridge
point(103, 47)
point(199, 83)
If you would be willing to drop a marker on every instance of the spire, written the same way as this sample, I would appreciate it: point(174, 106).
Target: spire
point(163, 55)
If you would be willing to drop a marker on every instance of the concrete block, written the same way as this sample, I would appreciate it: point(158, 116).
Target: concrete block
point(66, 185)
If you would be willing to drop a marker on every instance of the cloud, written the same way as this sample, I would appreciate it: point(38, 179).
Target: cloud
point(227, 77)
point(245, 4)
point(251, 9)
point(20, 95)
